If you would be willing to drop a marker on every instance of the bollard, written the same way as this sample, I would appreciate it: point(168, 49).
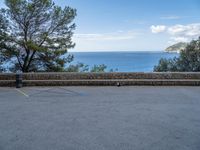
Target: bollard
point(18, 80)
point(118, 84)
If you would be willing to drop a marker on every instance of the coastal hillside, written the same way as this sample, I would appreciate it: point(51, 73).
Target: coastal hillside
point(176, 47)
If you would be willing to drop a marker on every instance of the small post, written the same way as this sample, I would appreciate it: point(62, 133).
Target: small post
point(18, 80)
point(118, 84)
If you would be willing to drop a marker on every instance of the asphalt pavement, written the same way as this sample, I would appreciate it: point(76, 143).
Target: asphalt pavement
point(100, 118)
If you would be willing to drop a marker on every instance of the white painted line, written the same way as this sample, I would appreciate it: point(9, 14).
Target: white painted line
point(21, 92)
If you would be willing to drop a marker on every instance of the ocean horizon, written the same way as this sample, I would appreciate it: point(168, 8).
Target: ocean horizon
point(123, 61)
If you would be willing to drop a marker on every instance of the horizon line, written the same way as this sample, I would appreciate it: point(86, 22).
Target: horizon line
point(118, 51)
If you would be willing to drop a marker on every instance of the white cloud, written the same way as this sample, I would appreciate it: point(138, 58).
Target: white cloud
point(115, 41)
point(180, 39)
point(181, 33)
point(170, 17)
point(115, 36)
point(177, 29)
point(136, 22)
point(190, 30)
point(158, 28)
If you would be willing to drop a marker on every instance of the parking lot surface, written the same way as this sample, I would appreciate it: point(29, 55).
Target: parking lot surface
point(100, 118)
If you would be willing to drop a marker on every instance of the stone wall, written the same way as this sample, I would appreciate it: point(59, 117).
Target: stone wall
point(102, 79)
point(7, 76)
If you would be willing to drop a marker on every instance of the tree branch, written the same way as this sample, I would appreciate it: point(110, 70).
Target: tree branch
point(20, 64)
point(31, 59)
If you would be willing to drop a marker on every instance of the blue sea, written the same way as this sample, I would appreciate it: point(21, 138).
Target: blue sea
point(123, 61)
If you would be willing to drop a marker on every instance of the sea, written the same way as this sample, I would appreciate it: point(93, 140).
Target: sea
point(123, 61)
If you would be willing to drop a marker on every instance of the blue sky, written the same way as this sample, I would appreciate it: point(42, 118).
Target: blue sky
point(133, 25)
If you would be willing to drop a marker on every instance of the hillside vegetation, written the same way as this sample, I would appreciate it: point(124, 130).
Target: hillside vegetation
point(176, 47)
point(188, 61)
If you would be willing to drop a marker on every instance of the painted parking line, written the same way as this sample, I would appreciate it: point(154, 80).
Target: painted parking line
point(21, 92)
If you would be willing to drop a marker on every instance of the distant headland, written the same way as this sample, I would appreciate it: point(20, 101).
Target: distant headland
point(176, 48)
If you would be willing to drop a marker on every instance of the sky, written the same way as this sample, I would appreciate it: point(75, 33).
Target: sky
point(133, 25)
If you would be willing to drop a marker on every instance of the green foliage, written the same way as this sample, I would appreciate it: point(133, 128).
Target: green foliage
point(188, 61)
point(80, 67)
point(99, 68)
point(166, 65)
point(1, 67)
point(36, 34)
